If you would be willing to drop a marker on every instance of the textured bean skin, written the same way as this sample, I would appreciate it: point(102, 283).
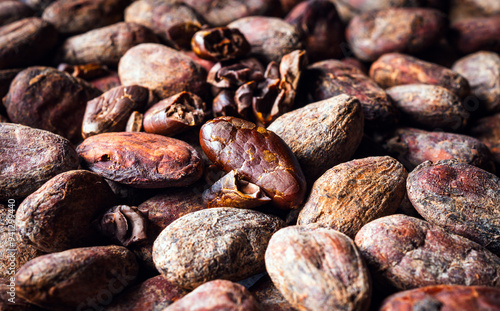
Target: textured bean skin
point(217, 295)
point(30, 157)
point(11, 11)
point(354, 193)
point(269, 296)
point(445, 298)
point(259, 155)
point(142, 160)
point(322, 134)
point(408, 30)
point(476, 34)
point(58, 215)
point(416, 146)
point(69, 280)
point(216, 243)
point(397, 69)
point(459, 197)
point(487, 130)
point(406, 252)
point(318, 269)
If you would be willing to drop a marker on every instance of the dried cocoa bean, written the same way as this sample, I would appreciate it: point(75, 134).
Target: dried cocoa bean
point(462, 9)
point(11, 11)
point(318, 269)
point(58, 215)
point(487, 130)
point(406, 252)
point(30, 157)
point(353, 193)
point(220, 44)
point(75, 278)
point(259, 155)
point(226, 243)
point(124, 224)
point(6, 77)
point(476, 34)
point(134, 123)
point(459, 197)
point(269, 296)
point(8, 303)
point(322, 134)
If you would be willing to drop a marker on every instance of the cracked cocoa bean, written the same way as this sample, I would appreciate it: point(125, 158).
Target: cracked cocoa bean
point(220, 44)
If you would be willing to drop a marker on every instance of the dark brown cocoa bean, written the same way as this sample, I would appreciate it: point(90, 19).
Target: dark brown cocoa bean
point(220, 44)
point(487, 130)
point(416, 146)
point(86, 72)
point(30, 157)
point(322, 134)
point(6, 77)
point(141, 160)
point(429, 106)
point(406, 30)
point(482, 70)
point(104, 45)
point(270, 38)
point(259, 155)
point(107, 82)
point(25, 41)
point(58, 215)
point(217, 295)
point(111, 111)
point(353, 193)
point(397, 69)
point(10, 303)
point(175, 114)
point(155, 293)
point(49, 99)
point(11, 11)
point(318, 269)
point(406, 252)
point(234, 243)
point(476, 34)
point(163, 70)
point(459, 197)
point(78, 16)
point(445, 297)
point(269, 296)
point(332, 77)
point(123, 224)
point(75, 278)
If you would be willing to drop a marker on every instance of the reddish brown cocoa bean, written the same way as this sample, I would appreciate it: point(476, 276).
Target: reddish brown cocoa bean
point(104, 45)
point(163, 70)
point(270, 38)
point(58, 215)
point(476, 34)
point(429, 106)
point(155, 293)
point(217, 295)
point(78, 16)
point(26, 41)
point(406, 30)
point(107, 82)
point(353, 193)
point(444, 297)
point(269, 296)
point(49, 99)
point(482, 70)
point(141, 160)
point(30, 157)
point(487, 130)
point(234, 243)
point(397, 69)
point(459, 197)
point(318, 269)
point(11, 11)
point(332, 77)
point(111, 111)
point(75, 278)
point(416, 146)
point(406, 252)
point(259, 155)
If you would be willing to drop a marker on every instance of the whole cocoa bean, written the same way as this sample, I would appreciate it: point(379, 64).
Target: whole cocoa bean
point(322, 134)
point(217, 295)
point(461, 198)
point(476, 34)
point(406, 30)
point(226, 243)
point(104, 45)
point(397, 69)
point(429, 106)
point(38, 5)
point(318, 269)
point(462, 9)
point(163, 70)
point(8, 303)
point(445, 297)
point(487, 130)
point(58, 215)
point(49, 99)
point(406, 252)
point(11, 11)
point(259, 155)
point(25, 41)
point(30, 157)
point(353, 193)
point(141, 160)
point(269, 296)
point(75, 278)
